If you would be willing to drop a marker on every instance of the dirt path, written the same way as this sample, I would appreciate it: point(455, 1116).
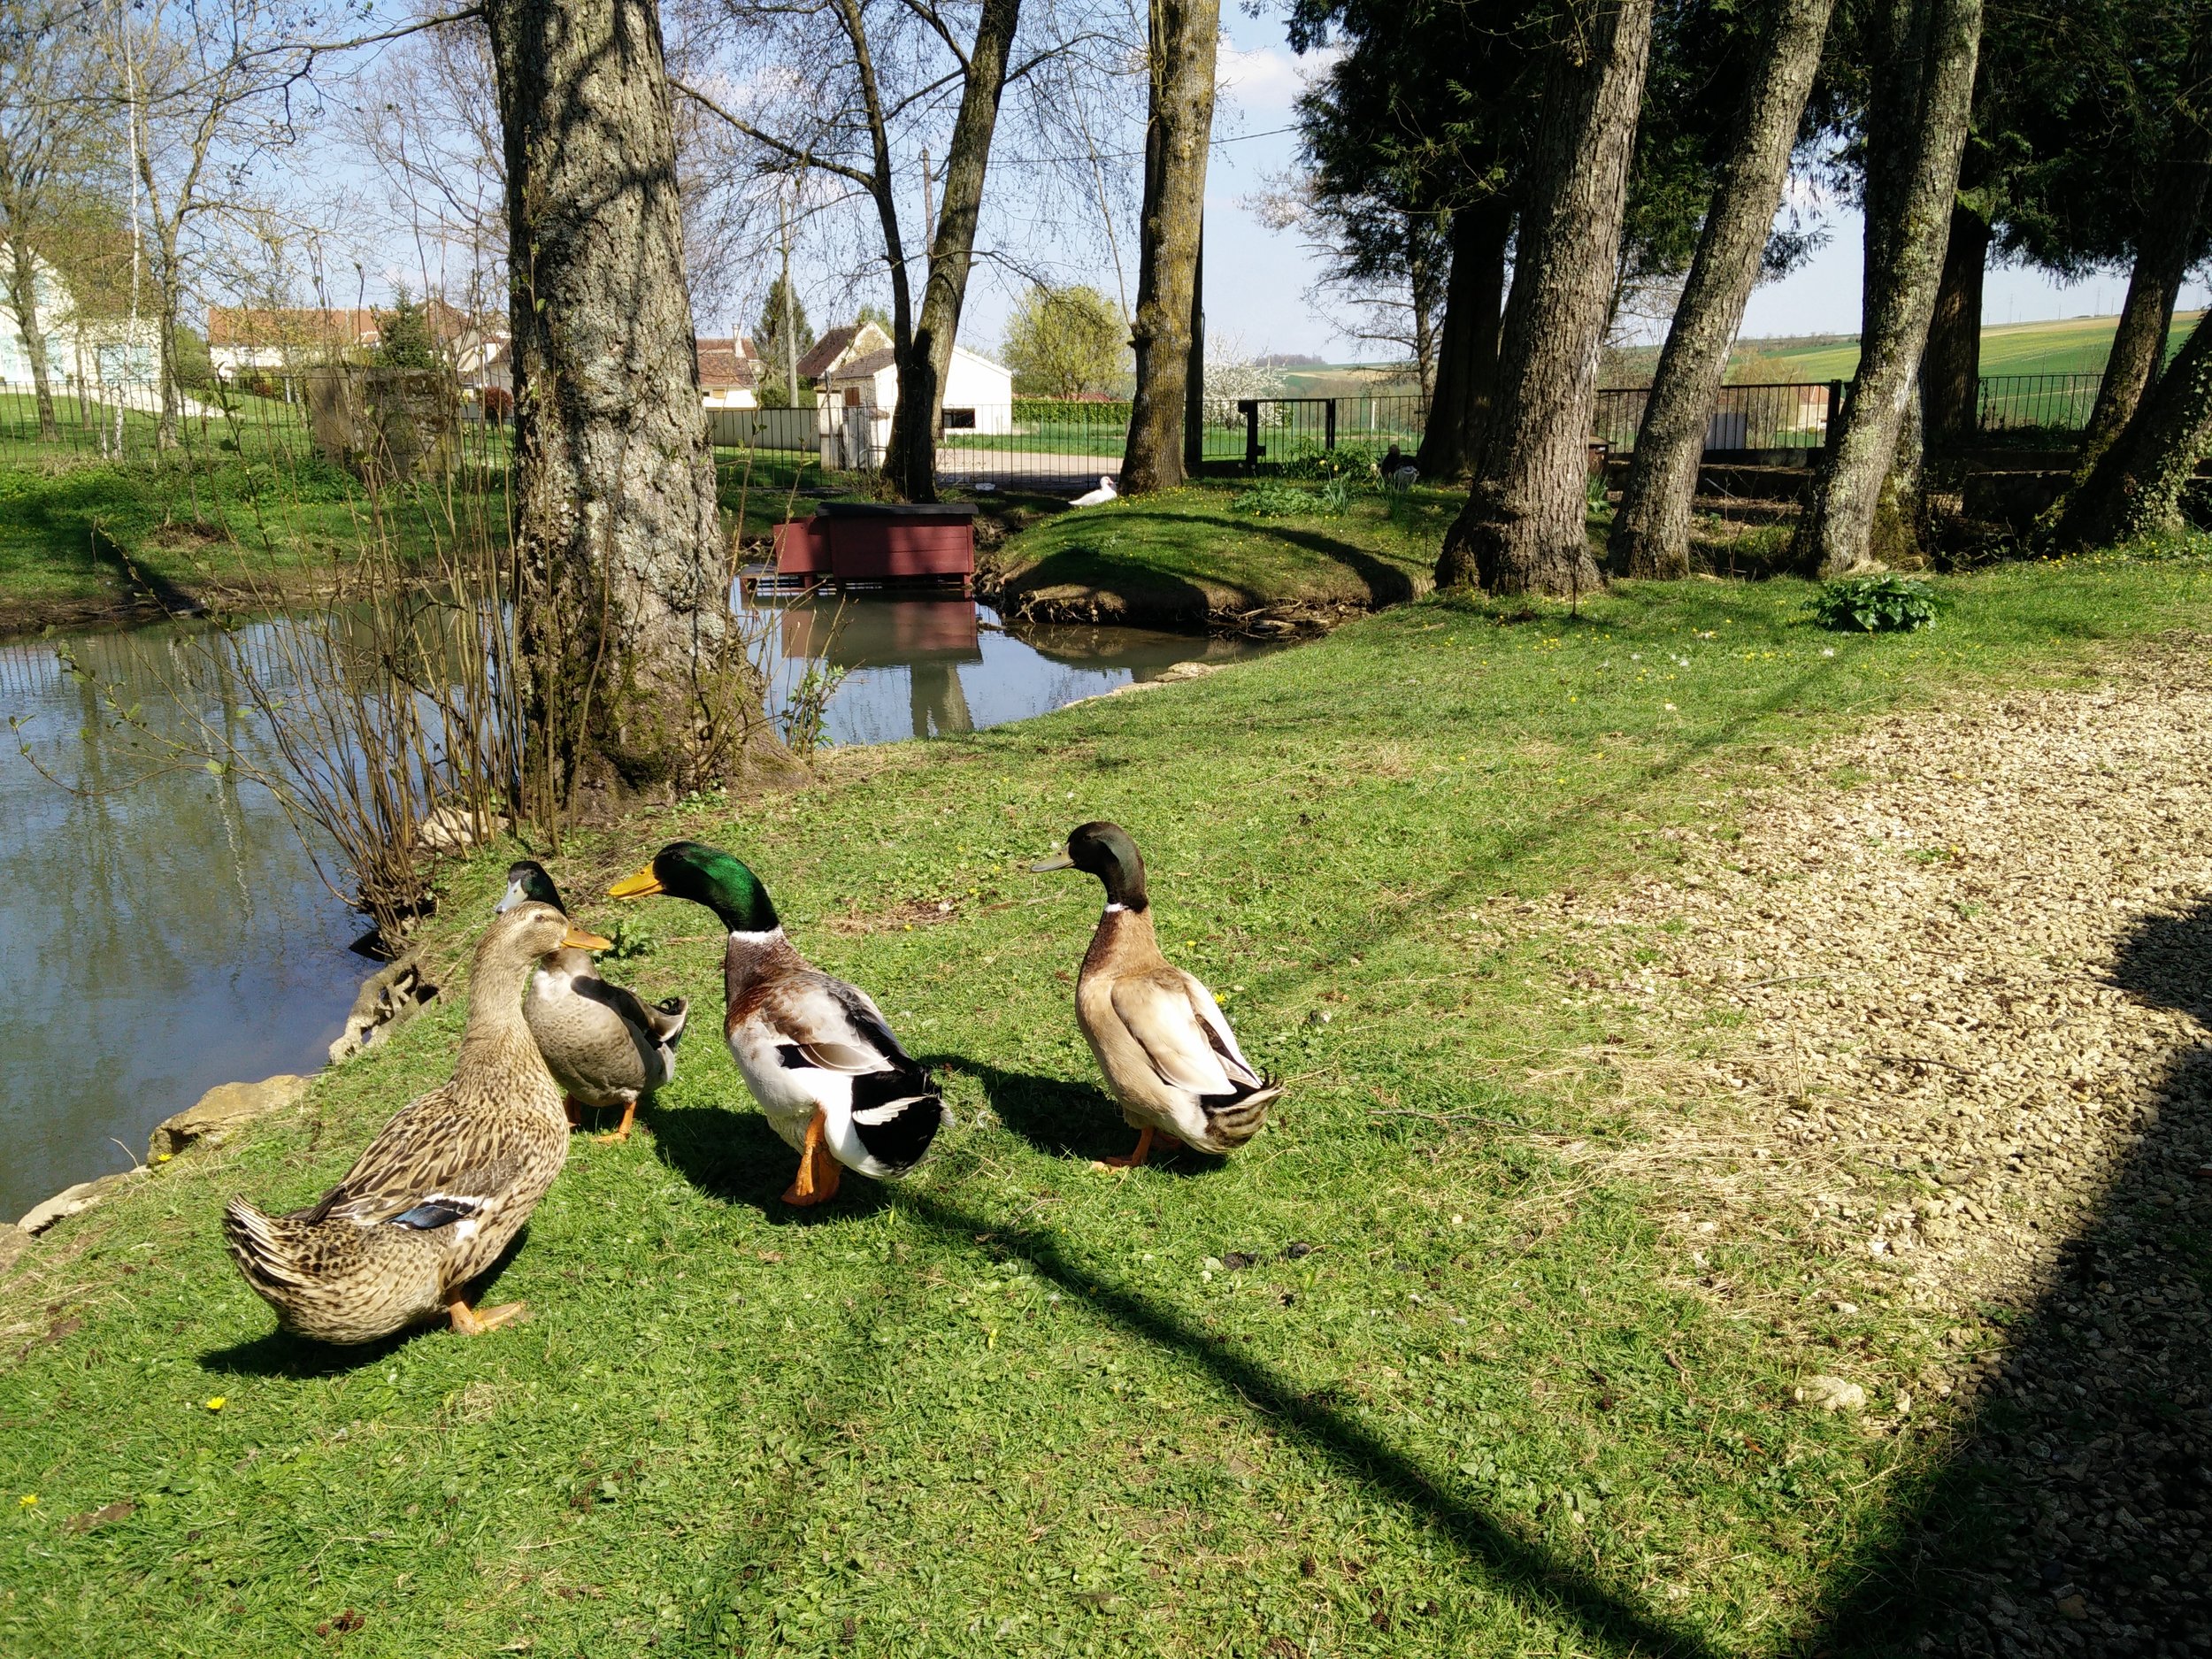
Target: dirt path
point(1963, 965)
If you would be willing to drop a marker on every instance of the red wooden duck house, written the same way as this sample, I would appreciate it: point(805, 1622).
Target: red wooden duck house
point(863, 545)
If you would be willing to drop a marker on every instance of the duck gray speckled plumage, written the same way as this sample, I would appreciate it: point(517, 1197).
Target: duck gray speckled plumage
point(445, 1185)
point(604, 1045)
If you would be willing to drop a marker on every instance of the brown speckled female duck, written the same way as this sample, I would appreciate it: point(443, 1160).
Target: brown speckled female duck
point(1167, 1052)
point(445, 1185)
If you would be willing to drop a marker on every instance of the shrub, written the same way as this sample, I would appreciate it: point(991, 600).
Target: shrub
point(1875, 604)
point(1360, 462)
point(1272, 499)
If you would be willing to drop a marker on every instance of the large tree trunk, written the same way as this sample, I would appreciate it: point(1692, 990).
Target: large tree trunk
point(1651, 532)
point(1523, 528)
point(1924, 95)
point(1179, 131)
point(23, 301)
point(1951, 368)
point(1467, 356)
point(911, 461)
point(638, 687)
point(2163, 244)
point(2135, 489)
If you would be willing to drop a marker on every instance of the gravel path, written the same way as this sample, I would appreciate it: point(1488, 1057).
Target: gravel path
point(1965, 964)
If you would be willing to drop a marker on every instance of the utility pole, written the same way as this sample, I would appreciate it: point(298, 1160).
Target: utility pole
point(790, 339)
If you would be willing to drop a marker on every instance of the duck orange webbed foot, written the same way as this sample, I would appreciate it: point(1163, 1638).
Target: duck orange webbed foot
point(471, 1322)
point(1139, 1153)
point(818, 1172)
point(621, 1131)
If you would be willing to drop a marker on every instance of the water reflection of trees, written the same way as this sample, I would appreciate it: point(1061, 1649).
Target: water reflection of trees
point(178, 929)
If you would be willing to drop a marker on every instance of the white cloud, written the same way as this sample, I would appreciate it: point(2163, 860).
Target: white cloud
point(1266, 81)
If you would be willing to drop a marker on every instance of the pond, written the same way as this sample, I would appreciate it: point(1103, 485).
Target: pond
point(167, 933)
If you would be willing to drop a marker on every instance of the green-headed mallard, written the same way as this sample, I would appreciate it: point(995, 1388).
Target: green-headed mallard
point(1167, 1052)
point(604, 1044)
point(815, 1051)
point(445, 1185)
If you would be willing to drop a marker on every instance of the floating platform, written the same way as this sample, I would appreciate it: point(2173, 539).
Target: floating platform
point(848, 546)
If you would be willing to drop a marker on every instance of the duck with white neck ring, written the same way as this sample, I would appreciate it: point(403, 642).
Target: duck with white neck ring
point(816, 1052)
point(1169, 1055)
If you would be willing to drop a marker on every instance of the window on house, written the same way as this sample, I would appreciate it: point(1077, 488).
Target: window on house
point(852, 397)
point(963, 418)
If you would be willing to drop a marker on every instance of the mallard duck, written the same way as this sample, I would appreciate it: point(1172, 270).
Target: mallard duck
point(604, 1046)
point(1167, 1052)
point(445, 1185)
point(815, 1051)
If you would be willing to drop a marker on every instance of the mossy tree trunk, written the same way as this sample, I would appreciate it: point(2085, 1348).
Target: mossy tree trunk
point(1523, 528)
point(2168, 236)
point(2135, 487)
point(22, 293)
point(910, 461)
point(1177, 133)
point(1651, 532)
point(635, 686)
point(1924, 86)
point(1467, 356)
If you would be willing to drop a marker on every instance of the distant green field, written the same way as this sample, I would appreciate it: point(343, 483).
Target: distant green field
point(2078, 345)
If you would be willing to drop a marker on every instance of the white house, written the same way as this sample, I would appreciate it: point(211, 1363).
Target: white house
point(860, 395)
point(729, 373)
point(108, 351)
point(283, 340)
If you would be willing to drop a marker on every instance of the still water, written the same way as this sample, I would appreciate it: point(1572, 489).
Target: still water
point(166, 931)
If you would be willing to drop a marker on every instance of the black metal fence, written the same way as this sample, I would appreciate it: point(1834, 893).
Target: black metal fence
point(2054, 404)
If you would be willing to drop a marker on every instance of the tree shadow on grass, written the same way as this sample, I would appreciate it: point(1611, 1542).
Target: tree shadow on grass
point(2071, 1516)
point(282, 1352)
point(1063, 1120)
point(732, 1155)
point(1322, 1425)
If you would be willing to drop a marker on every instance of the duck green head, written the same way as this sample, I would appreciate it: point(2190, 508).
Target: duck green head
point(1105, 850)
point(708, 876)
point(528, 884)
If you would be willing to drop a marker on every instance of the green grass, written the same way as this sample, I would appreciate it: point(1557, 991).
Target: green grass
point(86, 533)
point(1176, 556)
point(1017, 1407)
point(2076, 345)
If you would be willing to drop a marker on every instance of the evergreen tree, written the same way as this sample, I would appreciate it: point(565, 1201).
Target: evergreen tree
point(768, 340)
point(403, 335)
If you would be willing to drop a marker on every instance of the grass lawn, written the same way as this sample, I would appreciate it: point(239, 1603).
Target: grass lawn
point(1400, 1378)
point(2074, 345)
point(1178, 556)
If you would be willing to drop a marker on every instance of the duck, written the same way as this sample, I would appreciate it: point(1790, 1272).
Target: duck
point(1170, 1060)
point(604, 1045)
point(816, 1052)
point(446, 1183)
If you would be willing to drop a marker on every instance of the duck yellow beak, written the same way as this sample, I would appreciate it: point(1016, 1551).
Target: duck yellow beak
point(1059, 861)
point(636, 887)
point(577, 939)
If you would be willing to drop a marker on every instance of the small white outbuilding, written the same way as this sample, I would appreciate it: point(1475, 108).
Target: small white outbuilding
point(859, 395)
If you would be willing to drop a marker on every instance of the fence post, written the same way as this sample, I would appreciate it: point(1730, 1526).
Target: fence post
point(1328, 431)
point(1250, 408)
point(1835, 412)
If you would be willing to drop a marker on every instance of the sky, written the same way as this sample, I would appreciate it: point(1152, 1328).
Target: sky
point(1256, 279)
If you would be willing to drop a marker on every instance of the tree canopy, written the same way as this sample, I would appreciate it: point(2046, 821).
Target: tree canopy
point(1066, 341)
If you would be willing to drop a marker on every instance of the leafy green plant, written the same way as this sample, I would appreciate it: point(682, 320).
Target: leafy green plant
point(632, 938)
point(1875, 604)
point(805, 712)
point(1272, 499)
point(1359, 461)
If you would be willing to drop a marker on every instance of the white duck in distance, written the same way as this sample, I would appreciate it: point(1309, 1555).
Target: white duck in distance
point(1161, 1039)
point(816, 1052)
point(605, 1046)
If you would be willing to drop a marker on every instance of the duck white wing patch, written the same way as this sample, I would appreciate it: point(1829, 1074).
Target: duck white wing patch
point(1224, 1041)
point(1162, 1019)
